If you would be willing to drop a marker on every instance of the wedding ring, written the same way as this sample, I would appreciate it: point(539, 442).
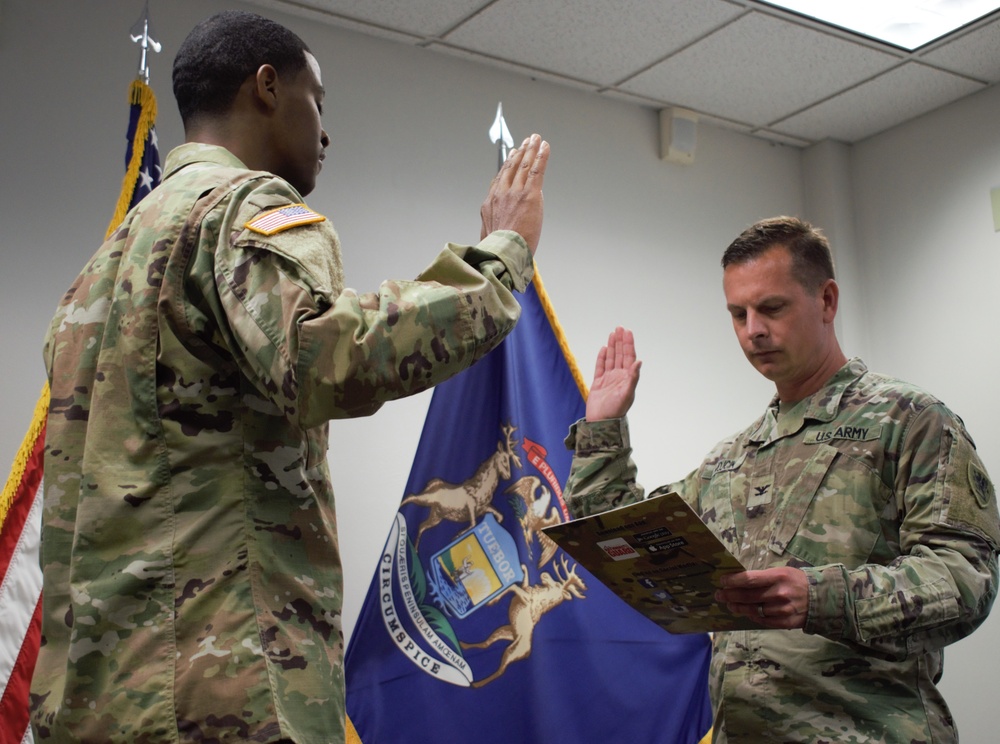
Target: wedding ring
point(760, 610)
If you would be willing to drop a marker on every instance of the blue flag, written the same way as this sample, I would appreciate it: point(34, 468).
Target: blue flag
point(475, 626)
point(142, 156)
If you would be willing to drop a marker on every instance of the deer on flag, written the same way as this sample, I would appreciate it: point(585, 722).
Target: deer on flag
point(472, 499)
point(525, 609)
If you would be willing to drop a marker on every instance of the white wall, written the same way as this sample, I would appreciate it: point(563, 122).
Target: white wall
point(930, 260)
point(628, 239)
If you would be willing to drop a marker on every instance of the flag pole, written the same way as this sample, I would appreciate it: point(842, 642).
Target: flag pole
point(145, 41)
point(141, 96)
point(501, 136)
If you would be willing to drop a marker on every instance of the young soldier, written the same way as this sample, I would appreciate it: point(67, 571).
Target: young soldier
point(192, 582)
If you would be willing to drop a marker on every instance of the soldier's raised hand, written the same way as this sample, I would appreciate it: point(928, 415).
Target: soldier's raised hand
point(616, 376)
point(514, 201)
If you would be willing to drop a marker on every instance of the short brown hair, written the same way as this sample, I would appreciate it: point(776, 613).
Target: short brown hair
point(812, 261)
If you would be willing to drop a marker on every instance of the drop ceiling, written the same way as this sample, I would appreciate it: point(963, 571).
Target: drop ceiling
point(737, 63)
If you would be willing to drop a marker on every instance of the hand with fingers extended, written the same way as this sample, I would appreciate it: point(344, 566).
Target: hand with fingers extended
point(514, 201)
point(616, 376)
point(774, 597)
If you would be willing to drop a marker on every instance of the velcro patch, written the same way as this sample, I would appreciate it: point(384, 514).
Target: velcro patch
point(282, 218)
point(724, 466)
point(851, 433)
point(981, 485)
point(761, 490)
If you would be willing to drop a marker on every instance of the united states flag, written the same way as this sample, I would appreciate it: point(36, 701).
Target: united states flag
point(21, 579)
point(21, 501)
point(142, 156)
point(282, 218)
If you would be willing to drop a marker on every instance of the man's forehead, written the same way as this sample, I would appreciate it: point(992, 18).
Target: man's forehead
point(759, 282)
point(313, 65)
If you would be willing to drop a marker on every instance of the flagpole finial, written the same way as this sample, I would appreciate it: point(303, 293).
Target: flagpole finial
point(140, 34)
point(500, 135)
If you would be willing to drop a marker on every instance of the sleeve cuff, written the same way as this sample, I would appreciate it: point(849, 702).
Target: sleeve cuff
point(511, 250)
point(588, 437)
point(827, 612)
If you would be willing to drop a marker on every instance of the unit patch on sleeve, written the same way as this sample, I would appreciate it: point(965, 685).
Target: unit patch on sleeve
point(981, 485)
point(275, 220)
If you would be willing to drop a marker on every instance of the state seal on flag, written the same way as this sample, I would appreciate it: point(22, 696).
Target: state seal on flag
point(474, 568)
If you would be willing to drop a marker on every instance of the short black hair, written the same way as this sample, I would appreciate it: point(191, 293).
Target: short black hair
point(812, 260)
point(221, 52)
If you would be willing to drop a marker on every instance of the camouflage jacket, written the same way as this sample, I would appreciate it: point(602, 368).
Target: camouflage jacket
point(192, 582)
point(874, 489)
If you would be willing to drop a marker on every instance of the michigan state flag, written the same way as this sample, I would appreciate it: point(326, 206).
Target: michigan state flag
point(475, 626)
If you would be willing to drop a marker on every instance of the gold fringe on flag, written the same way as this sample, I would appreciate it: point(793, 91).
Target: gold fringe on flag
point(142, 95)
point(21, 459)
point(550, 313)
point(352, 733)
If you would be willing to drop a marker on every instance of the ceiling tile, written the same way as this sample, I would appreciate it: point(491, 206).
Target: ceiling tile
point(973, 54)
point(759, 69)
point(746, 64)
point(514, 67)
point(890, 99)
point(419, 17)
point(591, 40)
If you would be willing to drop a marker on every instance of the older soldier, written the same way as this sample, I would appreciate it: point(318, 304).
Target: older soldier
point(858, 503)
point(192, 580)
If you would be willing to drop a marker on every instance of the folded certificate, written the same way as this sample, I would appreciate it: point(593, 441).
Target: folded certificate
point(659, 557)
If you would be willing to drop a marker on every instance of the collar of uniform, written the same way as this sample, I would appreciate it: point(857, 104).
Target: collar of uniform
point(198, 152)
point(823, 405)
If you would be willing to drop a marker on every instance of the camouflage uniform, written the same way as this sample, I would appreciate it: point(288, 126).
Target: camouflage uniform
point(874, 489)
point(193, 585)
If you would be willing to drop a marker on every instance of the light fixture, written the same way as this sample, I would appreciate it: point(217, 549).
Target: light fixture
point(907, 24)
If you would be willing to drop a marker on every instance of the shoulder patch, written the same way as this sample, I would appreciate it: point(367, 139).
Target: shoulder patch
point(275, 220)
point(981, 485)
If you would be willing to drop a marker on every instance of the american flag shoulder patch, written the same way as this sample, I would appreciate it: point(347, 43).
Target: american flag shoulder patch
point(275, 220)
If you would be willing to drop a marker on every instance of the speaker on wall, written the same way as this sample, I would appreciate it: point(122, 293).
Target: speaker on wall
point(678, 135)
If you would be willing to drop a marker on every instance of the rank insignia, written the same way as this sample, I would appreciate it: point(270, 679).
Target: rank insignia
point(276, 220)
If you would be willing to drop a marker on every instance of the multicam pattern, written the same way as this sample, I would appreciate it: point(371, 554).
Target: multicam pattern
point(874, 489)
point(193, 585)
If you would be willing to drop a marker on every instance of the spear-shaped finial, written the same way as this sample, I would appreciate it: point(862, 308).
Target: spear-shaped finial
point(140, 34)
point(501, 136)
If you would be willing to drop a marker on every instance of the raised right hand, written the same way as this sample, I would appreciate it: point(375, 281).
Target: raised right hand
point(616, 376)
point(514, 201)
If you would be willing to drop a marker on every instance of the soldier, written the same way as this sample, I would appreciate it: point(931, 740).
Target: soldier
point(192, 582)
point(857, 502)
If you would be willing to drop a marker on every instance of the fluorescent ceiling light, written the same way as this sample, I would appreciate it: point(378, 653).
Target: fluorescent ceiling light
point(903, 23)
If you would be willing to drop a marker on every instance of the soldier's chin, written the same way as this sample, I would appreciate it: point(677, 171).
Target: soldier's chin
point(765, 365)
point(306, 187)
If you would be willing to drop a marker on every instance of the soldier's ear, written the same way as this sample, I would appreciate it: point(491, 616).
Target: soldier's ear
point(830, 295)
point(266, 84)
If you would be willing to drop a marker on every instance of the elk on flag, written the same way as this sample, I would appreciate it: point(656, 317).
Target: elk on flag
point(475, 626)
